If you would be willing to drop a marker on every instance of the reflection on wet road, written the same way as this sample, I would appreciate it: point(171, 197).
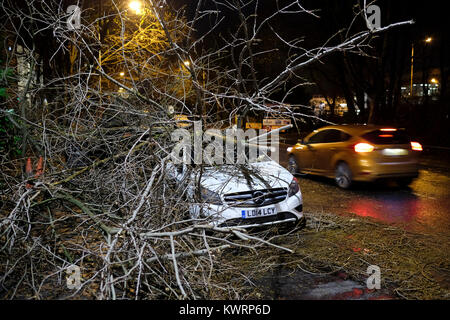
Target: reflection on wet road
point(423, 207)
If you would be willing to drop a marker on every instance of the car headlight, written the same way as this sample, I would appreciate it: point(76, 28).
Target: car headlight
point(209, 196)
point(293, 187)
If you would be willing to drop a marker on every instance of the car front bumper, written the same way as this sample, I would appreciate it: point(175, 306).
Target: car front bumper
point(289, 210)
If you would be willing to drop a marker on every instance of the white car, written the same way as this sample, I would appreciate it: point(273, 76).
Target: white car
point(251, 195)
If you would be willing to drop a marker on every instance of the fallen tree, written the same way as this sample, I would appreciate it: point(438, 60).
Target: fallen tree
point(96, 107)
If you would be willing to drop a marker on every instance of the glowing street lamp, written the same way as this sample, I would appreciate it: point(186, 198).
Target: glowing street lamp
point(122, 74)
point(427, 40)
point(433, 80)
point(136, 6)
point(187, 63)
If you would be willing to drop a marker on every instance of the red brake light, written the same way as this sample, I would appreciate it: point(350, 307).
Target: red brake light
point(416, 146)
point(363, 147)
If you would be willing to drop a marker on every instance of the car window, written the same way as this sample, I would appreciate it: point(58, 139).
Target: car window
point(387, 137)
point(334, 135)
point(328, 136)
point(318, 137)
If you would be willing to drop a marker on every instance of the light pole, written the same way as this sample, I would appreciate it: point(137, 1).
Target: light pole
point(427, 40)
point(412, 70)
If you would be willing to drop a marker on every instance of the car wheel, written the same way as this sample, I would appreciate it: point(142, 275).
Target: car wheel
point(343, 175)
point(293, 167)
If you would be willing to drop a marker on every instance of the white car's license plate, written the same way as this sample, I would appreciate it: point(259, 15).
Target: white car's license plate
point(395, 152)
point(258, 212)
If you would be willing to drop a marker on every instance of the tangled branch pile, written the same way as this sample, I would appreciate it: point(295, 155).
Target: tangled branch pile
point(90, 109)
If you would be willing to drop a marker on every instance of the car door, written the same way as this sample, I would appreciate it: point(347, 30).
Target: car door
point(308, 149)
point(332, 143)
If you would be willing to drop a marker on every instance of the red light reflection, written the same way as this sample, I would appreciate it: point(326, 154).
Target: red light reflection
point(386, 210)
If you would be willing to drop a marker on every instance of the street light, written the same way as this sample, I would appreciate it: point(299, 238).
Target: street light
point(427, 40)
point(136, 6)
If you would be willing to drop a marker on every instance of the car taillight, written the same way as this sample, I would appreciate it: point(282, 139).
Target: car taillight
point(363, 147)
point(388, 129)
point(416, 146)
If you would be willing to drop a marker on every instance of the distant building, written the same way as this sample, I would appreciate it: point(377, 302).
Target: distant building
point(321, 106)
point(422, 85)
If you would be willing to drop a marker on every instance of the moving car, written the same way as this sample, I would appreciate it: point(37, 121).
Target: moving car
point(350, 153)
point(255, 194)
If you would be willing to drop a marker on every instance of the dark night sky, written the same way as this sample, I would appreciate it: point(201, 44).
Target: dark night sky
point(430, 16)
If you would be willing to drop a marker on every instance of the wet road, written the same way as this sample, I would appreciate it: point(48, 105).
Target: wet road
point(423, 207)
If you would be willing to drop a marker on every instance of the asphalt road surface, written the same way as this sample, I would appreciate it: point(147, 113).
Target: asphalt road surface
point(421, 207)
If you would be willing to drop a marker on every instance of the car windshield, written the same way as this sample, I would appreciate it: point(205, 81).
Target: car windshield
point(248, 155)
point(387, 136)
